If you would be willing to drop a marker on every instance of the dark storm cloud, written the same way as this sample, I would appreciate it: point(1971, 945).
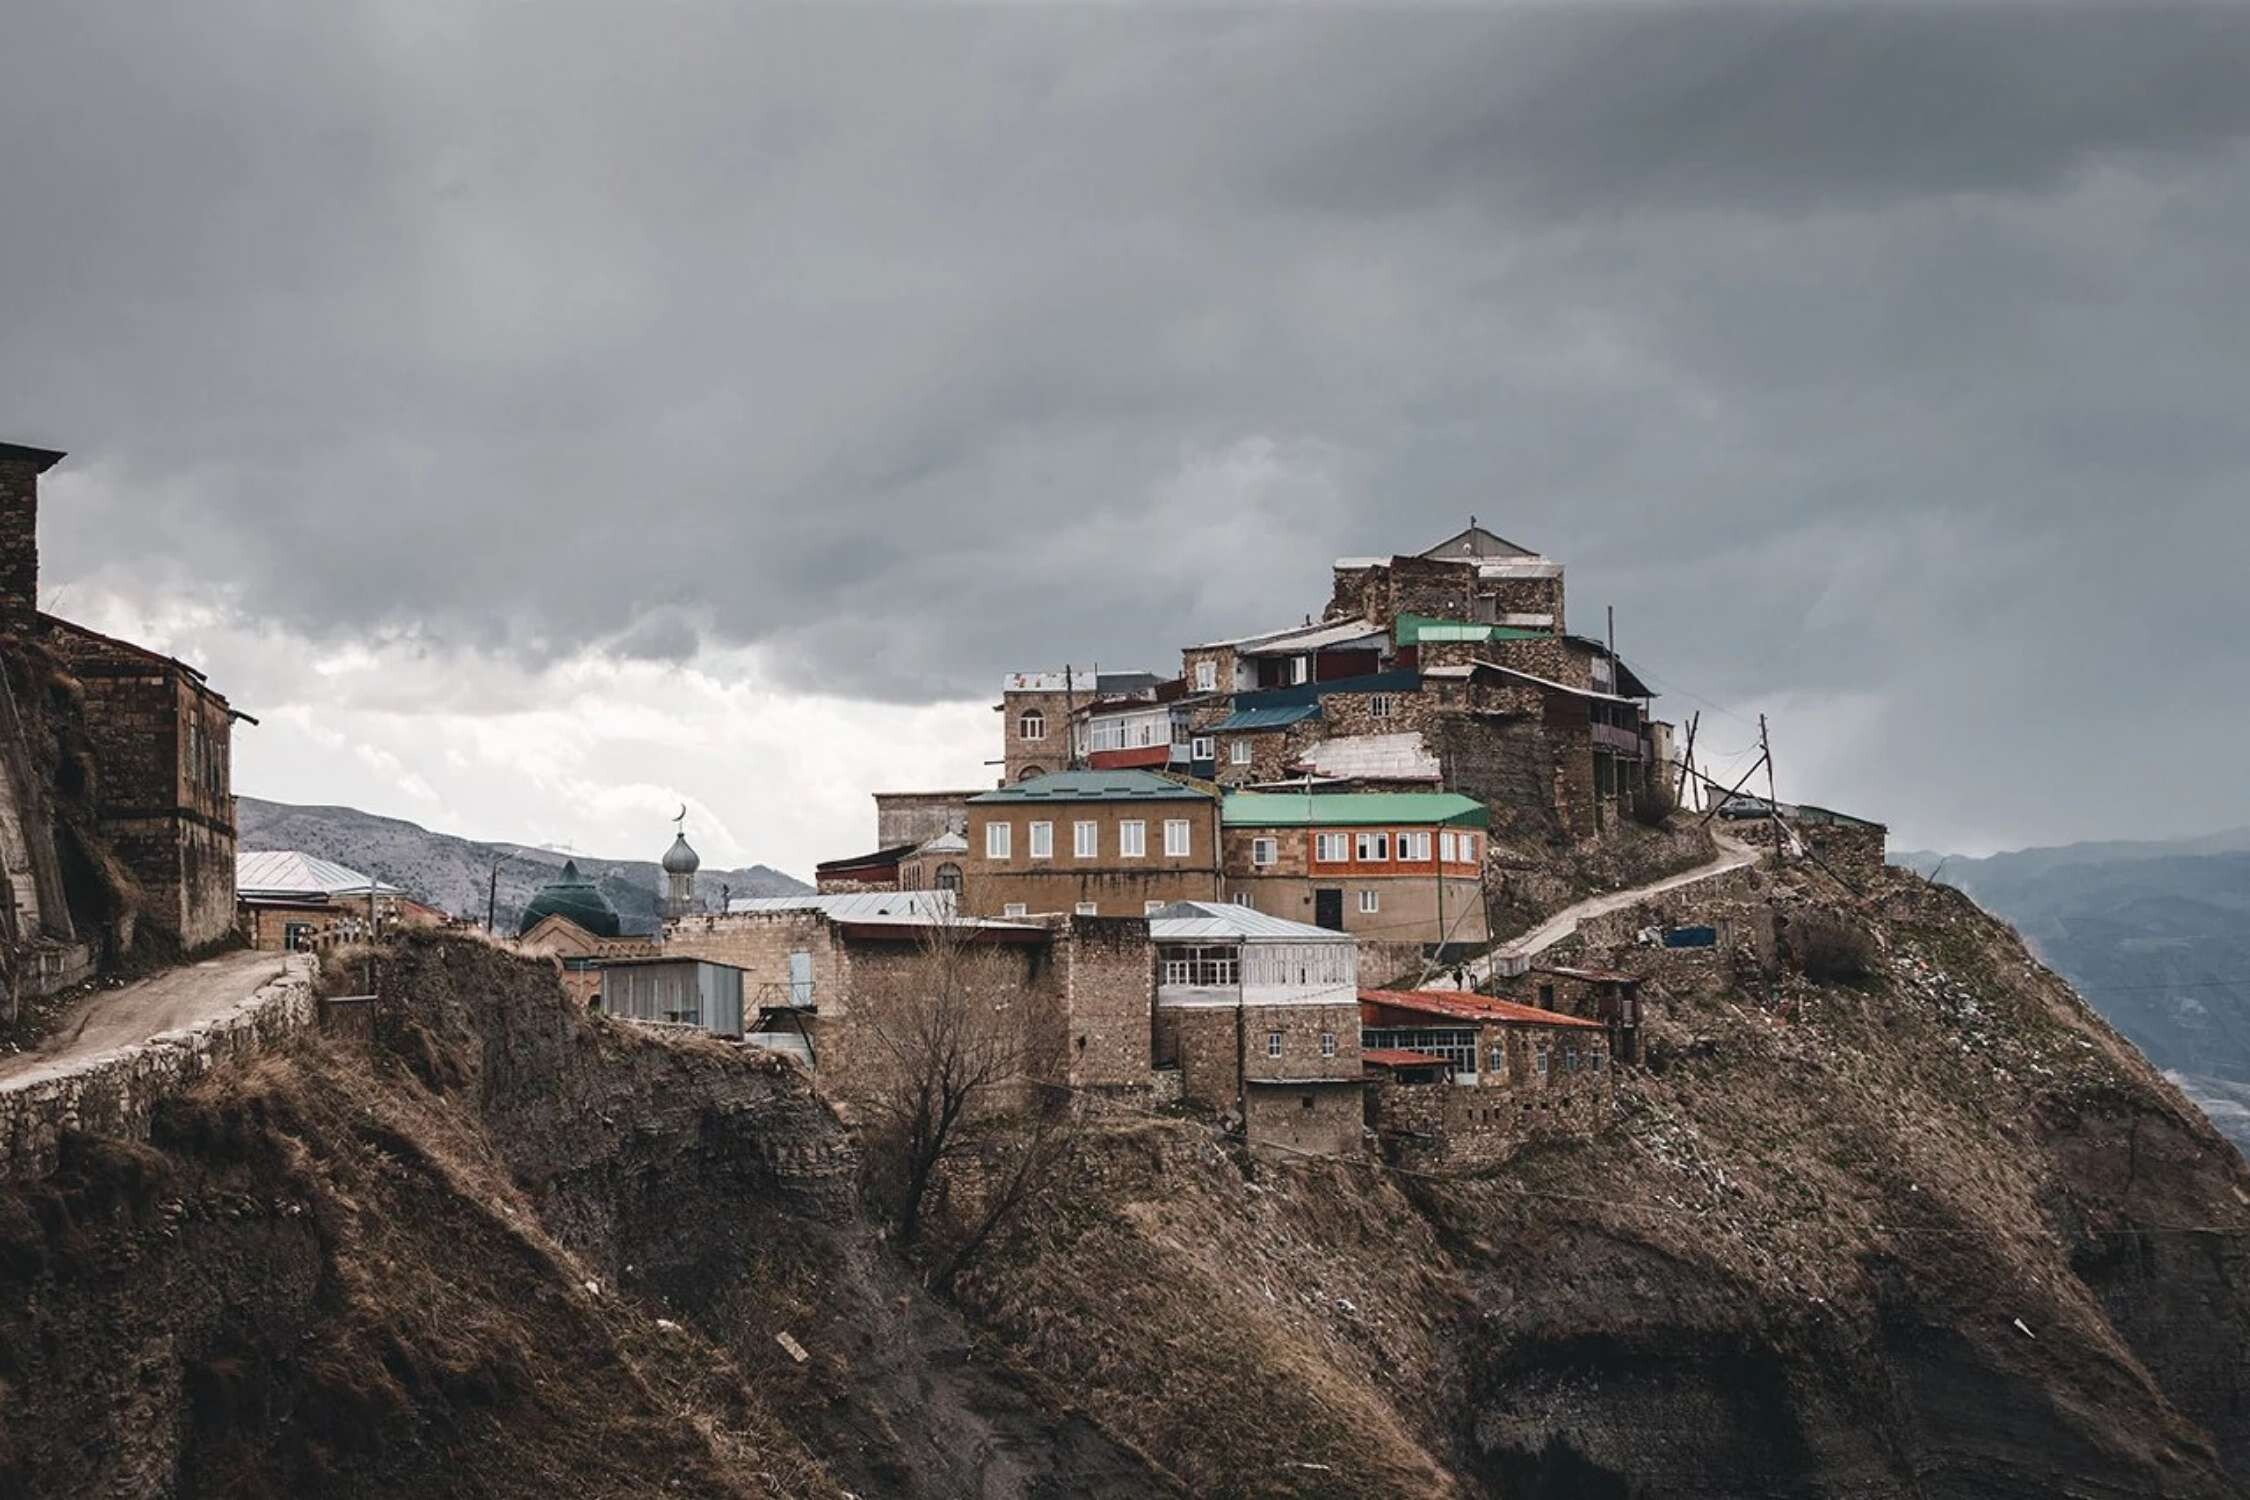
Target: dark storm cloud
point(1883, 353)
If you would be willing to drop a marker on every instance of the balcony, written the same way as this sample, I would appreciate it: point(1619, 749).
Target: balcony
point(1617, 737)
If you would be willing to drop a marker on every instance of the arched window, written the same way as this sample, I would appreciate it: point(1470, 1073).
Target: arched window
point(1028, 772)
point(949, 877)
point(1032, 726)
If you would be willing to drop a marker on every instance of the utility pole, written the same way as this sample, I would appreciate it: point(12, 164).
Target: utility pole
point(1687, 759)
point(1773, 803)
point(1070, 717)
point(492, 899)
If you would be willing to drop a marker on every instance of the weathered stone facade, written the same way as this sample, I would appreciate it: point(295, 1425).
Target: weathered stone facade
point(162, 741)
point(20, 468)
point(1025, 755)
point(917, 817)
point(1115, 884)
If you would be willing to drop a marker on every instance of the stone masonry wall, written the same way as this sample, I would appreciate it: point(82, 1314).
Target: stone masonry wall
point(19, 542)
point(1109, 991)
point(114, 1093)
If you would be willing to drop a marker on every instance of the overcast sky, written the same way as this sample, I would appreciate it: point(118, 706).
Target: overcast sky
point(541, 414)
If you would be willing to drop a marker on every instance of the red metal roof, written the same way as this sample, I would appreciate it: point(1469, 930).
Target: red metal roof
point(1590, 976)
point(1458, 1006)
point(1400, 1057)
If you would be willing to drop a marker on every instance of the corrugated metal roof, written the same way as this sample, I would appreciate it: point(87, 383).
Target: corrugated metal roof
point(874, 909)
point(1414, 630)
point(1311, 638)
point(1373, 757)
point(1244, 720)
point(275, 873)
point(1351, 809)
point(1461, 1007)
point(1401, 1057)
point(1201, 921)
point(1093, 786)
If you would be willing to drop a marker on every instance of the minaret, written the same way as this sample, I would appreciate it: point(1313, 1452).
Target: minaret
point(680, 864)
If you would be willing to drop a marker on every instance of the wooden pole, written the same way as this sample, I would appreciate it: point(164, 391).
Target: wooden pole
point(1687, 757)
point(1773, 802)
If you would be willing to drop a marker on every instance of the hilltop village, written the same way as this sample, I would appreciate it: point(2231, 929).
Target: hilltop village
point(1293, 885)
point(1272, 887)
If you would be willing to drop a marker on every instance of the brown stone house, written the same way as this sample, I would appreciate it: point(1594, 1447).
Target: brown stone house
point(291, 901)
point(1256, 1019)
point(818, 972)
point(161, 737)
point(1090, 843)
point(1510, 1070)
point(1400, 871)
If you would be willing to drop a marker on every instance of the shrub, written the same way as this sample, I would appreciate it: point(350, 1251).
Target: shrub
point(1653, 804)
point(1831, 950)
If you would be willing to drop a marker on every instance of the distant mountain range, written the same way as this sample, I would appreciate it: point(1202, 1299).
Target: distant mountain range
point(452, 873)
point(2155, 933)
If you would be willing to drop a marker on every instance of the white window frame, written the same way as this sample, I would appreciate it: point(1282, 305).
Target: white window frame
point(1132, 839)
point(1085, 839)
point(1468, 848)
point(1015, 909)
point(1381, 705)
point(1203, 747)
point(999, 839)
point(1152, 907)
point(1539, 1060)
point(1370, 902)
point(1300, 670)
point(1414, 845)
point(1179, 842)
point(1377, 839)
point(1041, 843)
point(1447, 847)
point(1340, 843)
point(1031, 724)
point(1328, 1044)
point(1238, 751)
point(1242, 898)
point(1086, 909)
point(1273, 1044)
point(1206, 676)
point(1265, 851)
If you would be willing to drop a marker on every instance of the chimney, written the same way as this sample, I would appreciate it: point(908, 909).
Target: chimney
point(20, 468)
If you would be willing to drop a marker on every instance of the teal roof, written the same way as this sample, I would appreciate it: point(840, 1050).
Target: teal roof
point(1413, 630)
point(572, 895)
point(1094, 786)
point(1349, 809)
point(1280, 717)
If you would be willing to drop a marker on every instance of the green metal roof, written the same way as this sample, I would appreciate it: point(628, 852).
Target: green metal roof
point(1348, 809)
point(572, 895)
point(1413, 630)
point(1279, 717)
point(1094, 786)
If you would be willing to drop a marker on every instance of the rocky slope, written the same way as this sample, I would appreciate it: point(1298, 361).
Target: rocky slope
point(2155, 934)
point(1939, 1232)
point(454, 873)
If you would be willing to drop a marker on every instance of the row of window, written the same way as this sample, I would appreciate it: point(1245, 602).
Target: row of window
point(1457, 1045)
point(1086, 839)
point(1082, 908)
point(1374, 847)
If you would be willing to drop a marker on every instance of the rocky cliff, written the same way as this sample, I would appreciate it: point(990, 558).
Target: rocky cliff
point(1934, 1232)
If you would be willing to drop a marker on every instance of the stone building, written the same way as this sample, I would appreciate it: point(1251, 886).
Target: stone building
point(877, 870)
point(1256, 1019)
point(161, 737)
point(820, 972)
point(570, 921)
point(1400, 871)
point(1509, 1071)
point(913, 818)
point(291, 901)
point(1090, 843)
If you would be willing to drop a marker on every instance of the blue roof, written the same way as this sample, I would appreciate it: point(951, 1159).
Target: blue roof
point(1280, 716)
point(1312, 692)
point(1094, 786)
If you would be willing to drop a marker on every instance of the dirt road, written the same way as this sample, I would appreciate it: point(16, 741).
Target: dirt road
point(1515, 955)
point(176, 998)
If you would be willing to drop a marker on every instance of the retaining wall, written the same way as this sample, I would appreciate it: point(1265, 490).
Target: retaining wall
point(114, 1093)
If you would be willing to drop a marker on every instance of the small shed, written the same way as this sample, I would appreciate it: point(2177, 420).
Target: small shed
point(696, 992)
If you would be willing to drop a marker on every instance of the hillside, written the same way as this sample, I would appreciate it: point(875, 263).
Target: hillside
point(453, 873)
point(1939, 1233)
point(2156, 935)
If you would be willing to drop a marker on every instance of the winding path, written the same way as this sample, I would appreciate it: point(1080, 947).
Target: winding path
point(1514, 956)
point(109, 1020)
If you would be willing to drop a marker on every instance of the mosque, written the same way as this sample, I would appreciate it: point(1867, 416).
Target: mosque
point(570, 920)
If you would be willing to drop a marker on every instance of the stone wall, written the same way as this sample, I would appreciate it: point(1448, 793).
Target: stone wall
point(1109, 993)
point(114, 1093)
point(1317, 1120)
point(1021, 757)
point(1118, 886)
point(19, 538)
point(918, 817)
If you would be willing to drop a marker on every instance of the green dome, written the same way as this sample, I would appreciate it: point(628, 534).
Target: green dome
point(572, 895)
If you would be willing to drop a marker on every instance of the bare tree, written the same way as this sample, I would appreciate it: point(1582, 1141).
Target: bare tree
point(953, 1049)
